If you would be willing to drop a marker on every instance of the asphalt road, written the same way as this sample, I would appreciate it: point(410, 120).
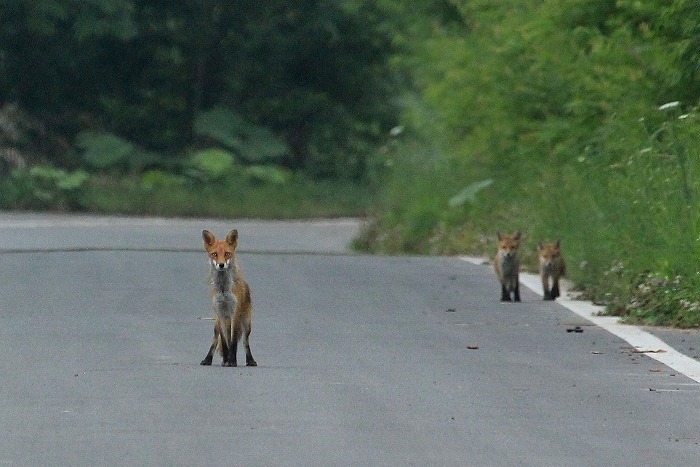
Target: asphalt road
point(362, 360)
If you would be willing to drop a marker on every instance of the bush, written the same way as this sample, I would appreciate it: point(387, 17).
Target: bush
point(44, 187)
point(157, 179)
point(565, 106)
point(210, 165)
point(103, 151)
point(252, 143)
point(267, 174)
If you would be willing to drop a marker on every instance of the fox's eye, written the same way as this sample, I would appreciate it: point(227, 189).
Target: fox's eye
point(214, 255)
point(227, 255)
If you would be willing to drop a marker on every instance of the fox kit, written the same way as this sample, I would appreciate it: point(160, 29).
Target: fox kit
point(551, 265)
point(230, 298)
point(507, 265)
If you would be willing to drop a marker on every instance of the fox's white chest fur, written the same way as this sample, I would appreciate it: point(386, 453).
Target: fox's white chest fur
point(509, 263)
point(223, 300)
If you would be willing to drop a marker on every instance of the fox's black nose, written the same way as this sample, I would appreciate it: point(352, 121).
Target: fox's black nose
point(221, 265)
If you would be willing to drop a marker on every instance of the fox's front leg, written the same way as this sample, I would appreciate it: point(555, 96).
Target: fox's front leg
point(228, 345)
point(545, 287)
point(505, 294)
point(249, 360)
point(210, 355)
point(555, 288)
point(226, 354)
point(242, 331)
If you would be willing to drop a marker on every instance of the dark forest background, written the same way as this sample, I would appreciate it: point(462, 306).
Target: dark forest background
point(441, 121)
point(303, 84)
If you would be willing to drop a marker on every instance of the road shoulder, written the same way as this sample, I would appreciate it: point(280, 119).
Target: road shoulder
point(648, 341)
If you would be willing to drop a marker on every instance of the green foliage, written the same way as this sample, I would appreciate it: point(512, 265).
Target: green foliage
point(311, 81)
point(222, 125)
point(267, 174)
point(253, 143)
point(43, 187)
point(652, 298)
point(211, 164)
point(162, 195)
point(561, 105)
point(153, 180)
point(468, 194)
point(104, 150)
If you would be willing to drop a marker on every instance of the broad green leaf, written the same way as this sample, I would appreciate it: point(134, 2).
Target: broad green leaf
point(468, 194)
point(102, 150)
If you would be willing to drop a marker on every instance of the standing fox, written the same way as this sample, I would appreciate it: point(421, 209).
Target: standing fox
point(551, 265)
point(230, 298)
point(507, 265)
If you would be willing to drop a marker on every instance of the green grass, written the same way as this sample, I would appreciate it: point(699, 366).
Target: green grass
point(296, 197)
point(629, 222)
point(588, 126)
point(299, 197)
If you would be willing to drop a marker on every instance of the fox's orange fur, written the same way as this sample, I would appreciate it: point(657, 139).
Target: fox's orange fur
point(507, 265)
point(551, 266)
point(230, 296)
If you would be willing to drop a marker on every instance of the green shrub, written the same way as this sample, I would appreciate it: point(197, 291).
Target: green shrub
point(299, 197)
point(44, 187)
point(565, 106)
point(252, 143)
point(267, 174)
point(102, 151)
point(211, 164)
point(158, 179)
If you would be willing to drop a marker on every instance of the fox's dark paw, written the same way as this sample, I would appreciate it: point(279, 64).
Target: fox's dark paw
point(206, 361)
point(228, 364)
point(251, 363)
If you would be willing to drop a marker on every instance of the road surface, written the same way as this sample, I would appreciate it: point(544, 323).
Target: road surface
point(362, 360)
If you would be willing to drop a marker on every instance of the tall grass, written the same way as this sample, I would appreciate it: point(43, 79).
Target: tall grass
point(626, 212)
point(561, 108)
point(299, 197)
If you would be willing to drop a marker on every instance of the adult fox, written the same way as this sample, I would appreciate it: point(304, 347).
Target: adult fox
point(551, 266)
point(507, 265)
point(230, 298)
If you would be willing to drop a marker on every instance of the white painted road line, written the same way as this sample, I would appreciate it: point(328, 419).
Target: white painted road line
point(641, 340)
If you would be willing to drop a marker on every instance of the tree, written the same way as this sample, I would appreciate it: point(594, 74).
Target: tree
point(316, 72)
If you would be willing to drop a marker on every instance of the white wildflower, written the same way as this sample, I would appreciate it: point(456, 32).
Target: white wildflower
point(669, 105)
point(396, 131)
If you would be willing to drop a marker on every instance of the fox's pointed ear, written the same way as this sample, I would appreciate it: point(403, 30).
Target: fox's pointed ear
point(232, 238)
point(499, 235)
point(540, 245)
point(517, 235)
point(558, 243)
point(208, 238)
